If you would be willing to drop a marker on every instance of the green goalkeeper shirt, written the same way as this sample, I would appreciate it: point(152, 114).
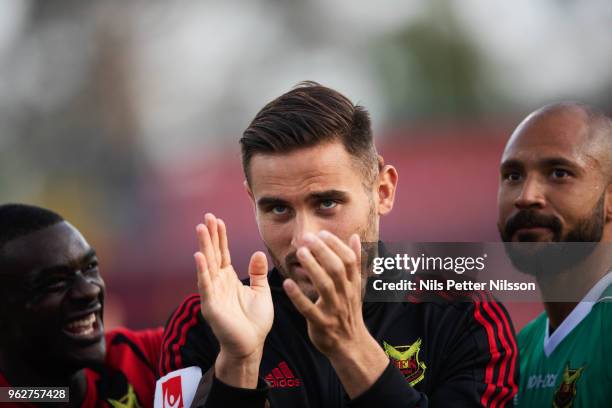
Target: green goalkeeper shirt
point(572, 367)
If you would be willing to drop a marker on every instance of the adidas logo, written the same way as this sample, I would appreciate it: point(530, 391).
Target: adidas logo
point(282, 377)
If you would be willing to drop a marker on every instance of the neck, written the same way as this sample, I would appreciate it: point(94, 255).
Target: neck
point(557, 312)
point(563, 290)
point(23, 373)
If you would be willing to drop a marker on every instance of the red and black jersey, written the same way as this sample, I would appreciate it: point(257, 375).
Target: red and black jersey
point(441, 354)
point(128, 376)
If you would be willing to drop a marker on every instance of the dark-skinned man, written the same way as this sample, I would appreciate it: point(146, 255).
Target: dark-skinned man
point(556, 193)
point(319, 189)
point(51, 318)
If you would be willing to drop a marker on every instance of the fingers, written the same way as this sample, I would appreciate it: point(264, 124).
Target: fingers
point(204, 280)
point(350, 255)
point(213, 230)
point(318, 276)
point(213, 243)
point(200, 231)
point(206, 248)
point(258, 270)
point(226, 259)
point(355, 245)
point(301, 302)
point(336, 258)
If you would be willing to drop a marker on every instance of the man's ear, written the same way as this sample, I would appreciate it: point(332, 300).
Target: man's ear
point(387, 183)
point(247, 188)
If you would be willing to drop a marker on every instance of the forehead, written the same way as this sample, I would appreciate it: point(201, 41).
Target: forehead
point(562, 134)
point(321, 167)
point(56, 245)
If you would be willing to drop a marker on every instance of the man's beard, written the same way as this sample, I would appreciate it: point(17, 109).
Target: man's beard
point(369, 239)
point(550, 258)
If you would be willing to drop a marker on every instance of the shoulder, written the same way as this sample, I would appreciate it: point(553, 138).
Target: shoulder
point(187, 310)
point(184, 317)
point(473, 336)
point(187, 339)
point(603, 309)
point(475, 323)
point(474, 309)
point(136, 347)
point(130, 367)
point(145, 338)
point(490, 320)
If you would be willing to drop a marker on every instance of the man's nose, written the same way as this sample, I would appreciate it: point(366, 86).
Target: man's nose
point(85, 289)
point(303, 225)
point(531, 195)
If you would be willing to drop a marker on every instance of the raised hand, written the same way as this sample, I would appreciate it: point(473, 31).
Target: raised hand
point(240, 316)
point(335, 320)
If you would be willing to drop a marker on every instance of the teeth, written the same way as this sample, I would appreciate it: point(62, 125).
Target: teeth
point(82, 326)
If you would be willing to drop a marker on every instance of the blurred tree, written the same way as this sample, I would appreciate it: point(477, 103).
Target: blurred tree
point(430, 69)
point(73, 132)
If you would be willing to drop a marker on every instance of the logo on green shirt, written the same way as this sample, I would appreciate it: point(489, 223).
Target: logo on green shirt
point(565, 394)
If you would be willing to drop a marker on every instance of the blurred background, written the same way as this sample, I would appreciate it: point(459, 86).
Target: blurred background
point(125, 116)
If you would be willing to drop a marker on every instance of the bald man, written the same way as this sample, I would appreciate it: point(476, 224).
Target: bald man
point(556, 187)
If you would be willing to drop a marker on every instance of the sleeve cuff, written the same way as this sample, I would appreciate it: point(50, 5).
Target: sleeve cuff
point(223, 395)
point(390, 390)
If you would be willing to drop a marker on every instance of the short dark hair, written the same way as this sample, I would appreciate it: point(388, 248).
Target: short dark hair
point(306, 116)
point(17, 220)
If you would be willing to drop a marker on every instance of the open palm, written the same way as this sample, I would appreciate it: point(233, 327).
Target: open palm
point(240, 316)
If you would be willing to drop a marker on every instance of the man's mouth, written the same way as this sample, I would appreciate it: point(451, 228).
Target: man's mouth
point(298, 273)
point(533, 233)
point(85, 327)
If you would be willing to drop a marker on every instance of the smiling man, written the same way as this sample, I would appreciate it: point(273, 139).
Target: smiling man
point(51, 317)
point(556, 192)
point(300, 335)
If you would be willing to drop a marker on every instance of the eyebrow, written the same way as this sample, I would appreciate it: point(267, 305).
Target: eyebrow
point(511, 163)
point(327, 195)
point(90, 254)
point(547, 162)
point(268, 201)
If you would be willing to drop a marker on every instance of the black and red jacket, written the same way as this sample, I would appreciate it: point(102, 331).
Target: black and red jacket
point(463, 354)
point(128, 376)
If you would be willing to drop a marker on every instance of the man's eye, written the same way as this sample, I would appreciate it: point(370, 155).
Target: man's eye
point(328, 204)
point(512, 176)
point(279, 210)
point(91, 266)
point(55, 286)
point(560, 173)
